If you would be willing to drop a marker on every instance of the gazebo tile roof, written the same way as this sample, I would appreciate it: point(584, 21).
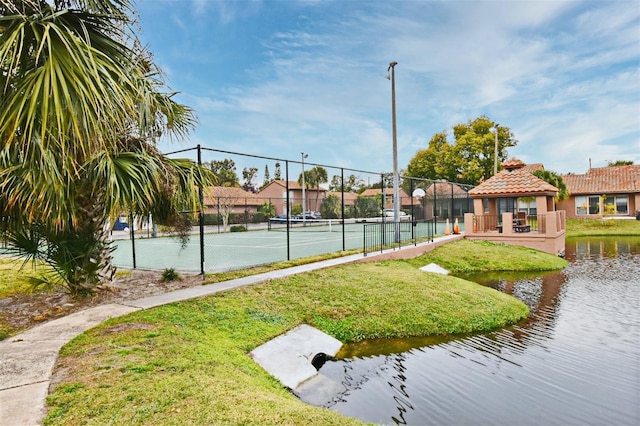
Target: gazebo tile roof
point(514, 180)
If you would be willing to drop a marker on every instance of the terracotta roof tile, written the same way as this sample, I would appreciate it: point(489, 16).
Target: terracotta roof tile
point(443, 189)
point(514, 180)
point(605, 180)
point(234, 192)
point(533, 167)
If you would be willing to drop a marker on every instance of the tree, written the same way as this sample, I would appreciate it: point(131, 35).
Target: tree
point(330, 207)
point(619, 163)
point(313, 178)
point(277, 173)
point(469, 159)
point(248, 175)
point(266, 179)
point(225, 170)
point(554, 179)
point(351, 184)
point(80, 113)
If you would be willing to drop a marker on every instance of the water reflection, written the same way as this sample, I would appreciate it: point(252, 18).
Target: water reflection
point(574, 360)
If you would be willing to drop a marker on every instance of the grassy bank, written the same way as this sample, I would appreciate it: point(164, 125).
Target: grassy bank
point(188, 363)
point(602, 227)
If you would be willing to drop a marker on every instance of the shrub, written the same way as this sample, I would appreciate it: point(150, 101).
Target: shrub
point(237, 228)
point(170, 274)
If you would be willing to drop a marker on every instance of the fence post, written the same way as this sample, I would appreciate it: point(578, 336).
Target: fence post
point(344, 247)
point(201, 216)
point(286, 172)
point(133, 240)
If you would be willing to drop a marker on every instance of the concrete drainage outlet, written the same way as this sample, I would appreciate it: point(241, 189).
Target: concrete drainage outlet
point(296, 356)
point(319, 360)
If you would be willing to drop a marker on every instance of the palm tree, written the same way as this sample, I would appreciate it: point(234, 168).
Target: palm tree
point(554, 179)
point(80, 114)
point(313, 178)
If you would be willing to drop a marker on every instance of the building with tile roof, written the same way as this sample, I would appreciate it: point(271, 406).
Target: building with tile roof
point(516, 207)
point(603, 191)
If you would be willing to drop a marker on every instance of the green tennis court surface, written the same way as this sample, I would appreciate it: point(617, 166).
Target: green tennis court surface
point(236, 250)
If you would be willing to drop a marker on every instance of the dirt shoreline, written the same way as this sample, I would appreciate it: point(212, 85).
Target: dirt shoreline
point(24, 311)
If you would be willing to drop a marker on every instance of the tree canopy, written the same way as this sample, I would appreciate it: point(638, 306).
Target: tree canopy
point(81, 109)
point(469, 159)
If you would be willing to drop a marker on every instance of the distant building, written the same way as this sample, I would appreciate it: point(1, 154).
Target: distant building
point(603, 191)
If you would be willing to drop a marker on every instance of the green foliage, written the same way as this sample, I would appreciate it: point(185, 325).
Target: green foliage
point(352, 183)
point(83, 148)
point(267, 209)
point(225, 171)
point(469, 159)
point(331, 207)
point(237, 228)
point(554, 179)
point(170, 274)
point(296, 209)
point(366, 206)
point(619, 163)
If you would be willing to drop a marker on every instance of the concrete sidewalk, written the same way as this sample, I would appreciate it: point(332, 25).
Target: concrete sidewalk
point(27, 359)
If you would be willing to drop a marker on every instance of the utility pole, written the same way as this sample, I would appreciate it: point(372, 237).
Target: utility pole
point(396, 178)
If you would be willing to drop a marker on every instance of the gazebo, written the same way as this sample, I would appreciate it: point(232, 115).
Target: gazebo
point(516, 207)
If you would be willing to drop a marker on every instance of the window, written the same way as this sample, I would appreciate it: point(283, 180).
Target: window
point(616, 204)
point(588, 205)
point(527, 205)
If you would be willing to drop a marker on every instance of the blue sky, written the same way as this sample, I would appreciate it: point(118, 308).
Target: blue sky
point(277, 78)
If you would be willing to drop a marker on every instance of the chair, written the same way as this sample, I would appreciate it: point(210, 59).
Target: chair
point(520, 223)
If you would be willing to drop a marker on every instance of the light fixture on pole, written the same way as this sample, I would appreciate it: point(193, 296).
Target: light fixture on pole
point(495, 152)
point(396, 178)
point(304, 197)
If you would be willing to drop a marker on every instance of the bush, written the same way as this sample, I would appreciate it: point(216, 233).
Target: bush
point(237, 228)
point(170, 274)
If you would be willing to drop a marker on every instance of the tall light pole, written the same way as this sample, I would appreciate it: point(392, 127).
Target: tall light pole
point(304, 197)
point(495, 156)
point(396, 178)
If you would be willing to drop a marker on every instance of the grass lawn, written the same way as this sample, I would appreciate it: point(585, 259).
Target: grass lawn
point(187, 363)
point(602, 227)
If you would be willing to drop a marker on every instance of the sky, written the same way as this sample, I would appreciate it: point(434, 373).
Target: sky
point(278, 78)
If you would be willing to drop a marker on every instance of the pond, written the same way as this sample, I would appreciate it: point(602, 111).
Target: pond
point(575, 360)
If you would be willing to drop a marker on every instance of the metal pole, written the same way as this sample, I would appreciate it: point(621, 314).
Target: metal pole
point(495, 156)
point(201, 216)
point(344, 244)
point(304, 197)
point(133, 239)
point(286, 171)
point(396, 184)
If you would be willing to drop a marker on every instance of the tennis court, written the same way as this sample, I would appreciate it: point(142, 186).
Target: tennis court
point(236, 250)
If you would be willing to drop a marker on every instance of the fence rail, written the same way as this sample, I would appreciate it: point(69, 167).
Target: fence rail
point(386, 235)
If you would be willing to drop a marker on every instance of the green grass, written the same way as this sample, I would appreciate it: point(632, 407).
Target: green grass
point(465, 256)
point(14, 280)
point(188, 363)
point(602, 227)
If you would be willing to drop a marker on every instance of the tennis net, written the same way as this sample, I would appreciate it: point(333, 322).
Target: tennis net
point(317, 225)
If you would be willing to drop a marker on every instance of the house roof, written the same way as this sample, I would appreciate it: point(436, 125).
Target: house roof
point(372, 192)
point(443, 189)
point(605, 180)
point(293, 185)
point(514, 180)
point(349, 197)
point(229, 192)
